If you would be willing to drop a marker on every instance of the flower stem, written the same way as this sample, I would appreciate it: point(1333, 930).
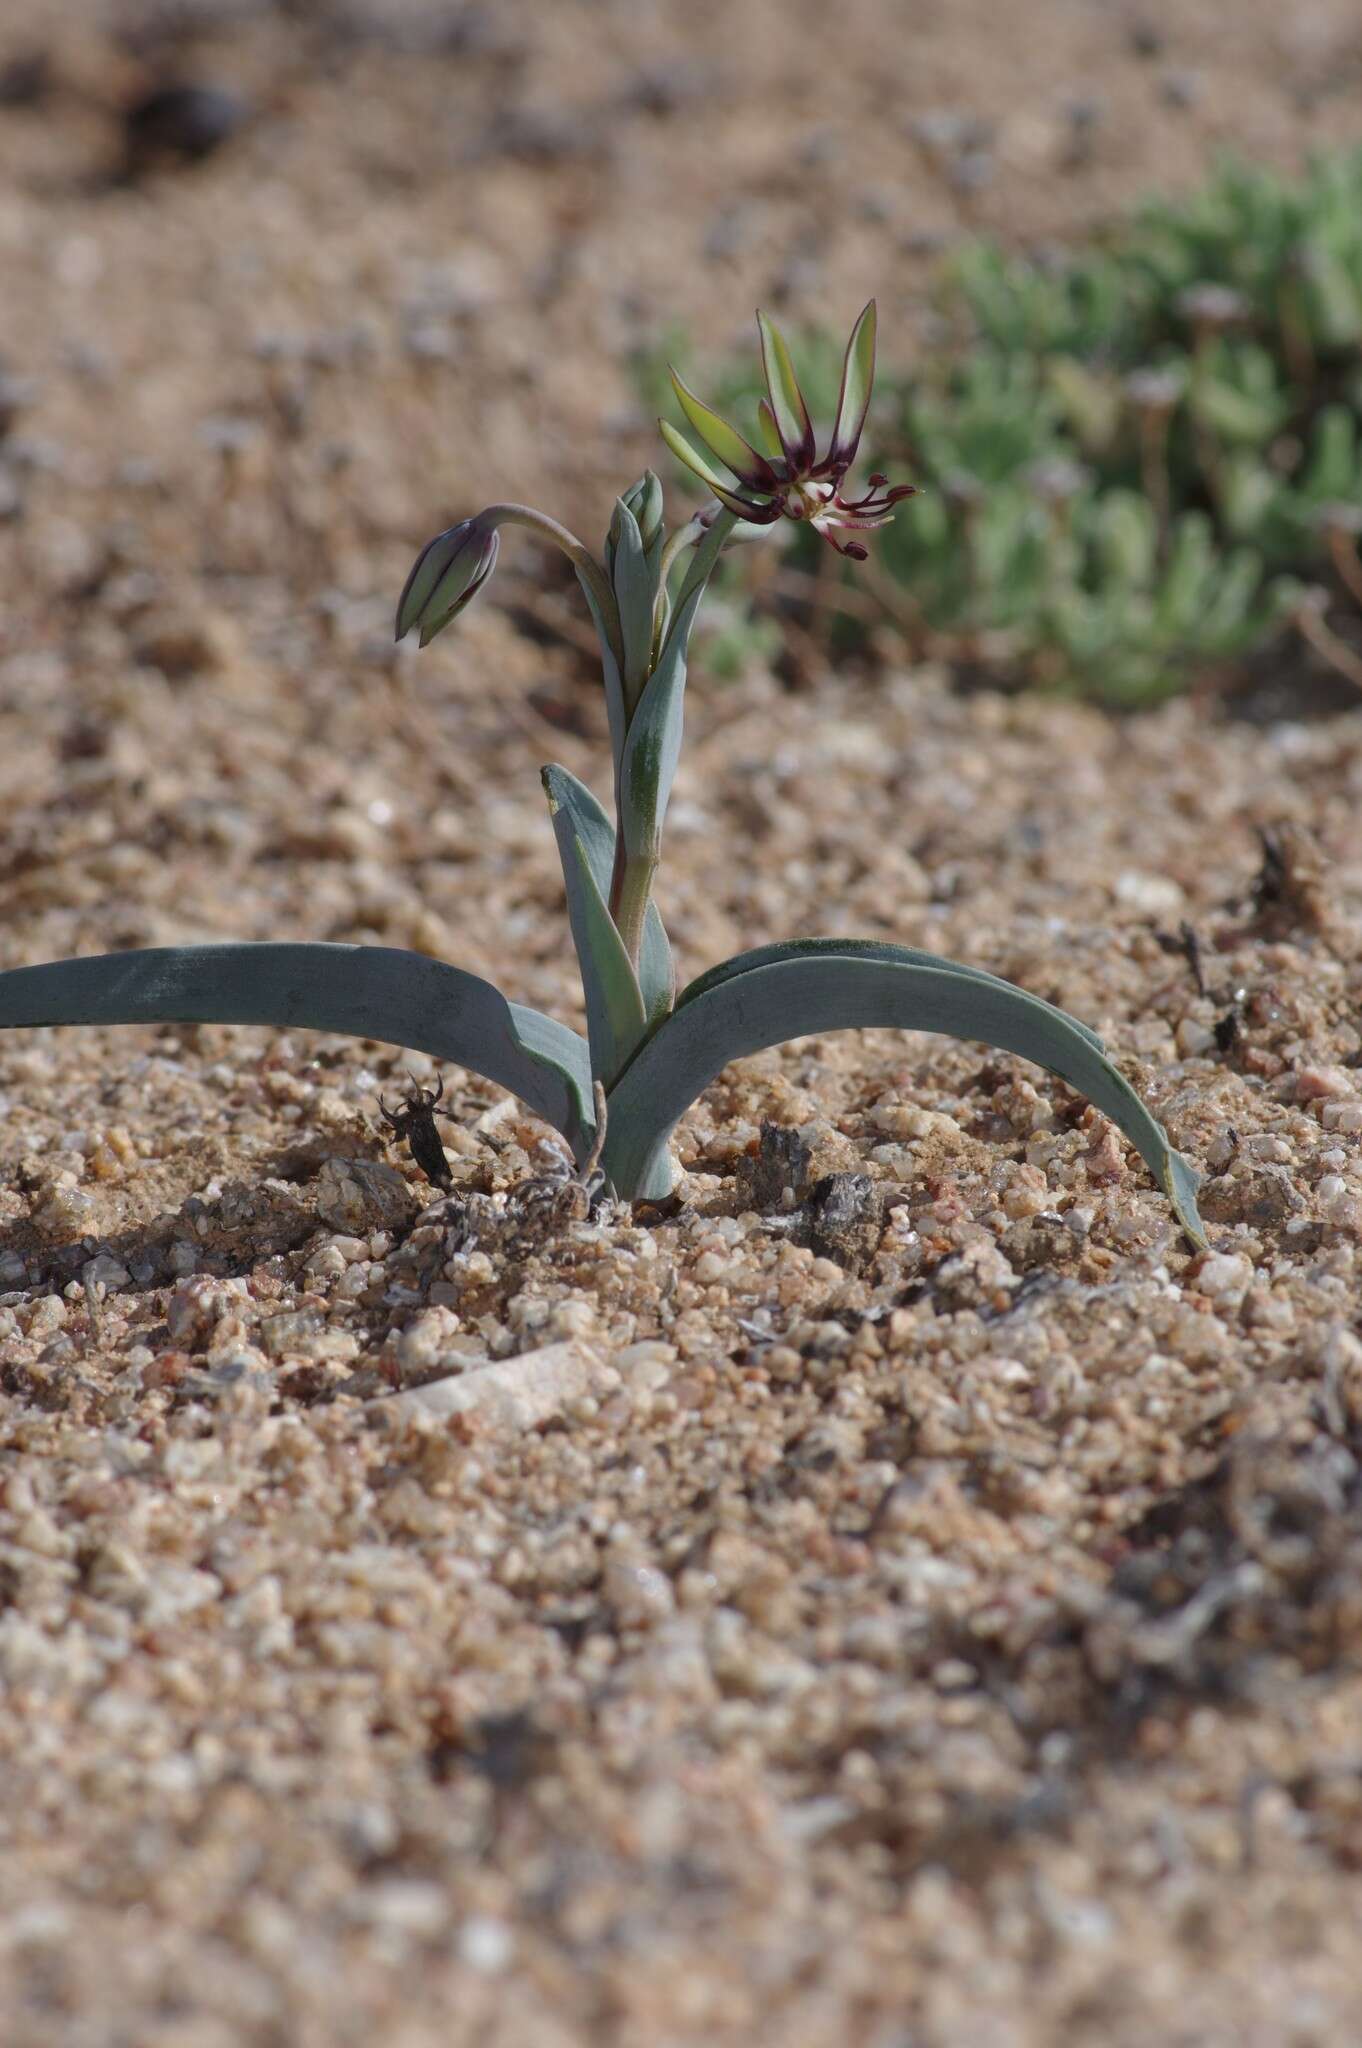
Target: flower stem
point(684, 537)
point(635, 887)
point(581, 558)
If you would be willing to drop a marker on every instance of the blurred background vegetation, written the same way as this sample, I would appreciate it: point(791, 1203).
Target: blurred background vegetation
point(1140, 459)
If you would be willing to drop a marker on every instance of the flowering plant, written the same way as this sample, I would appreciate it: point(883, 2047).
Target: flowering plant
point(648, 1052)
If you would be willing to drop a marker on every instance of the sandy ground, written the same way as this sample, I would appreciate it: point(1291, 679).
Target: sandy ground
point(932, 1621)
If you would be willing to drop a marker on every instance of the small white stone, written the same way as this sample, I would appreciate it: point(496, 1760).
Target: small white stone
point(485, 1944)
point(574, 1318)
point(1193, 1038)
point(48, 1314)
point(1151, 895)
point(402, 1905)
point(327, 1262)
point(1224, 1275)
point(510, 1393)
point(639, 1594)
point(427, 1339)
point(1337, 1350)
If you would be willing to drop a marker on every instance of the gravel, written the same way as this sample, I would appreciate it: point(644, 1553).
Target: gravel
point(897, 1592)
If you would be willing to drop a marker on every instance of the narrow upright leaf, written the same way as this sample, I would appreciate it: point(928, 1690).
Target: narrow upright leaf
point(615, 1016)
point(656, 975)
point(635, 590)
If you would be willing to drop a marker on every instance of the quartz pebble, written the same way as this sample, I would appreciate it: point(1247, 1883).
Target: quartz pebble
point(512, 1393)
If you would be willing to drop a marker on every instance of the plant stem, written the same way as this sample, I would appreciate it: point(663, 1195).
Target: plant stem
point(581, 558)
point(684, 537)
point(1312, 625)
point(632, 880)
point(635, 878)
point(1343, 550)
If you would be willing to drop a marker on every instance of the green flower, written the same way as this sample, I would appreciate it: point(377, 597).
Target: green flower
point(790, 481)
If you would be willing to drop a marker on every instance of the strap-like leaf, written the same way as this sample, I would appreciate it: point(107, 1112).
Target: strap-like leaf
point(653, 745)
point(831, 991)
point(861, 949)
point(377, 992)
point(635, 590)
point(596, 835)
point(615, 1016)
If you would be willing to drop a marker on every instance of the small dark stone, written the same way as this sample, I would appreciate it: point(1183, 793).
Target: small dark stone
point(27, 80)
point(184, 122)
point(1180, 89)
point(661, 88)
point(782, 1162)
point(544, 135)
point(1036, 1243)
point(1264, 1196)
point(972, 171)
point(16, 395)
point(843, 1219)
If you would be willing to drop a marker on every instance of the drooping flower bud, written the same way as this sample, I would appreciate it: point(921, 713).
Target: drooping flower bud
point(447, 575)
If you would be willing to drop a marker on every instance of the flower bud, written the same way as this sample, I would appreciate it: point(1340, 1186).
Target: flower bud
point(447, 574)
point(644, 500)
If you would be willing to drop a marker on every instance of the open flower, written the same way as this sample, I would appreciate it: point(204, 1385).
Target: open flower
point(789, 481)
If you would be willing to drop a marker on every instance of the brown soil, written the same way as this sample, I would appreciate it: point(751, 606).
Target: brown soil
point(933, 1624)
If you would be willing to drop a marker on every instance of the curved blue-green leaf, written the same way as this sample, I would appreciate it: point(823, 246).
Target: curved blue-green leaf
point(615, 1017)
point(805, 992)
point(863, 949)
point(656, 975)
point(378, 992)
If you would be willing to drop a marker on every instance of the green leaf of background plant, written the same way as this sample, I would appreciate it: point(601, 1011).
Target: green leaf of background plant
point(742, 1012)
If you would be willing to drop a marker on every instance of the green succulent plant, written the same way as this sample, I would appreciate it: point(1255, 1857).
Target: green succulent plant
point(1202, 359)
point(648, 1052)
